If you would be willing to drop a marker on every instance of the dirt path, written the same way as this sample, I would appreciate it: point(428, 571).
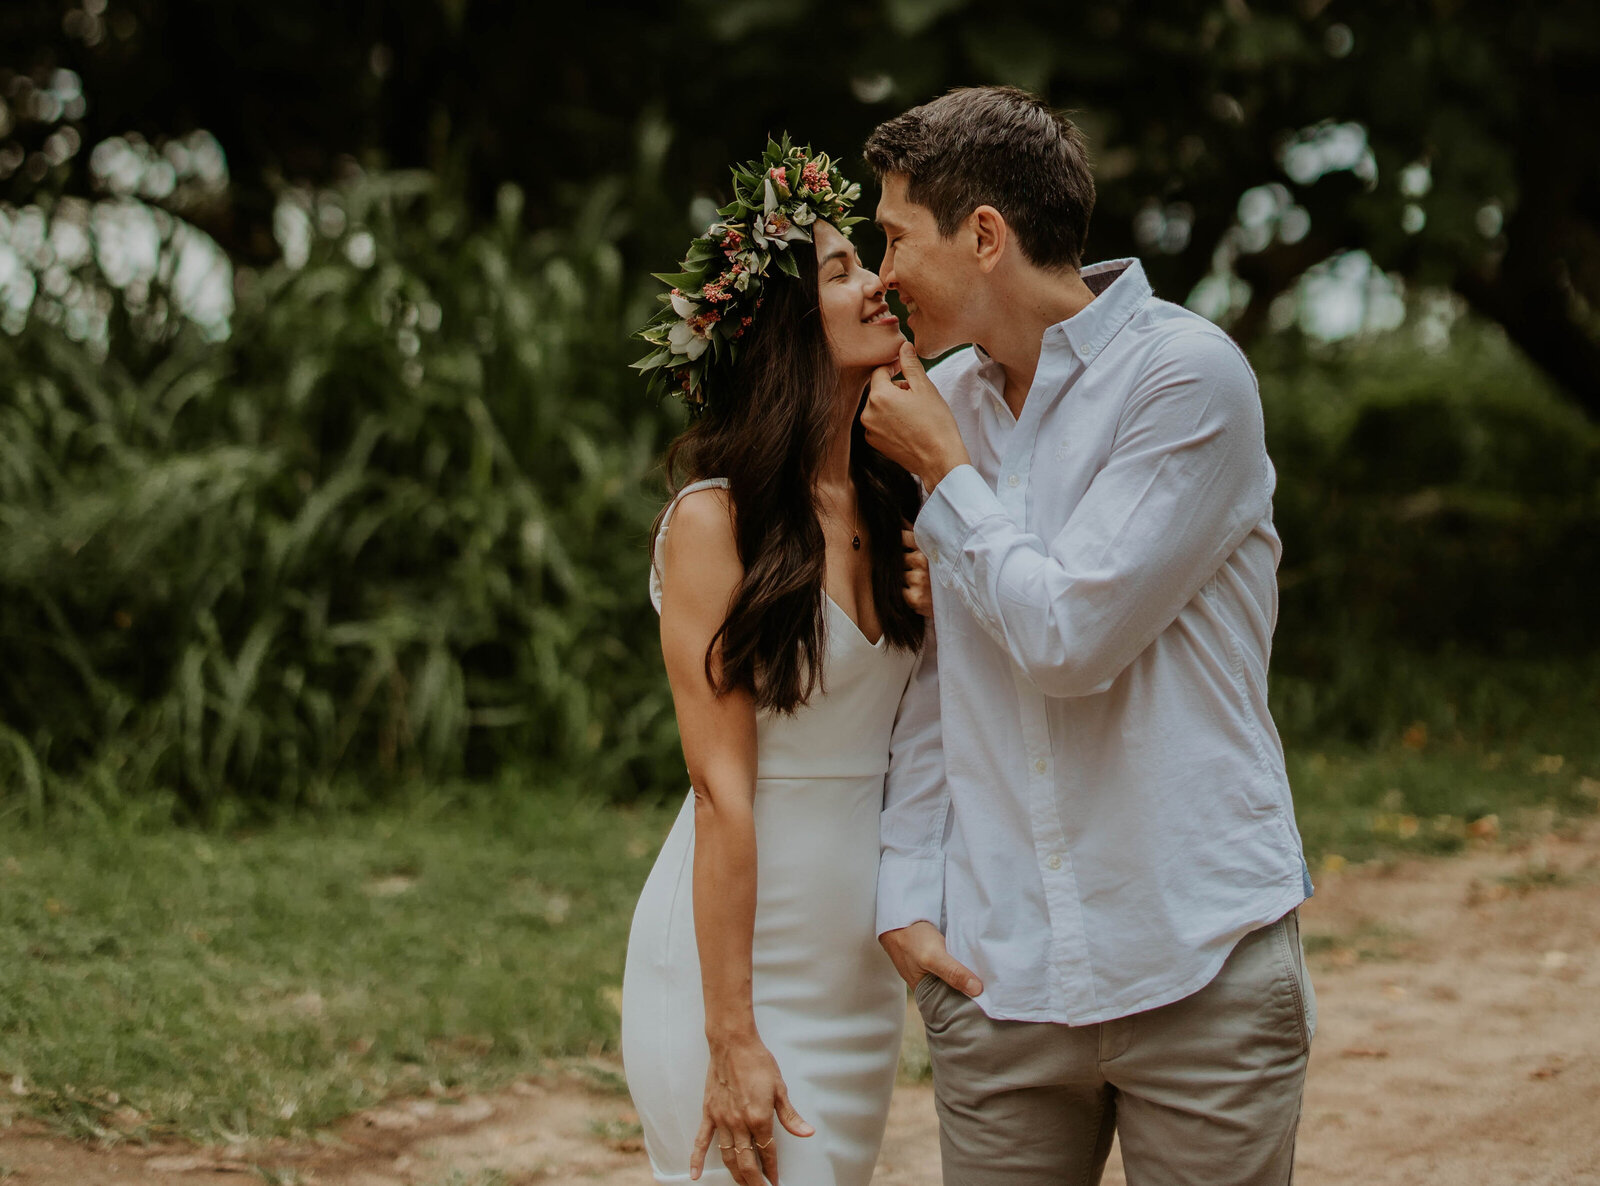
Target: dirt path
point(1459, 1043)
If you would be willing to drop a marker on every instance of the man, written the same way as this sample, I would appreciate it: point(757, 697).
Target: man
point(1090, 865)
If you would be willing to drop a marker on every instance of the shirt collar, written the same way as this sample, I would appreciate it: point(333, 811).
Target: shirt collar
point(1120, 289)
point(988, 368)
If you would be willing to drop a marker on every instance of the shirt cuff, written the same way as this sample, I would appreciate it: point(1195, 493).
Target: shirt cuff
point(960, 501)
point(910, 889)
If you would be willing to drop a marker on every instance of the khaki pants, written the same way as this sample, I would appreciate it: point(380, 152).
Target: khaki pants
point(1203, 1091)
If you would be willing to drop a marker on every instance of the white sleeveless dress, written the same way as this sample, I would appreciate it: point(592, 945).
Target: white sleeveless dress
point(828, 1003)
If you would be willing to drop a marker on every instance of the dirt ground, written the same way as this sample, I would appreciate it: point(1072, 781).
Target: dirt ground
point(1459, 1042)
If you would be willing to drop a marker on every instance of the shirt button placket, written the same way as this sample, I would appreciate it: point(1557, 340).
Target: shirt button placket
point(1053, 861)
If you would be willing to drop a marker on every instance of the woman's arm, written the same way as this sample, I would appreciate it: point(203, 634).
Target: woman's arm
point(700, 571)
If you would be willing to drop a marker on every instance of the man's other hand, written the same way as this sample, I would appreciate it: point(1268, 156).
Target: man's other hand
point(919, 949)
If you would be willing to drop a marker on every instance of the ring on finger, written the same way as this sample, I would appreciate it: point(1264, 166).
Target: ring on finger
point(769, 1140)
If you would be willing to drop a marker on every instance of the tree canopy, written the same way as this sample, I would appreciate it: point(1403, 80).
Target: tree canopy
point(1451, 140)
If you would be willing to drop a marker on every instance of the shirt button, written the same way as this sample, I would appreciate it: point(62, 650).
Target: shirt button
point(1040, 766)
point(1085, 350)
point(1013, 480)
point(1053, 861)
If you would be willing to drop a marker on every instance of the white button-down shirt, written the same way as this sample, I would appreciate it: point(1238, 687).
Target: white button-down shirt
point(1086, 789)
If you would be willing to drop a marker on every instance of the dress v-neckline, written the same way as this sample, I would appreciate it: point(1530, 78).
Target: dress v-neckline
point(860, 633)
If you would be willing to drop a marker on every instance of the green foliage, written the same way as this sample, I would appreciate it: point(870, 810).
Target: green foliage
point(1441, 522)
point(396, 524)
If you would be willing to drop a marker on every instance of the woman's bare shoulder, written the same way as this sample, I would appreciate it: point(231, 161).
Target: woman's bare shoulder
point(699, 550)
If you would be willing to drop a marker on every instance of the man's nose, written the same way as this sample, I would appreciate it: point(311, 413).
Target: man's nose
point(886, 271)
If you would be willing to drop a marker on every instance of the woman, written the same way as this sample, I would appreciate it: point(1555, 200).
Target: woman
point(755, 986)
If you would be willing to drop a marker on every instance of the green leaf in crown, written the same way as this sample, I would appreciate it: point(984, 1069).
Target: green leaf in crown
point(714, 297)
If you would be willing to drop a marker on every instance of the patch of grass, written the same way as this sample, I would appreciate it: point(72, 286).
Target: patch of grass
point(1536, 877)
point(155, 980)
point(915, 1065)
point(1422, 797)
point(601, 1079)
point(275, 1176)
point(1370, 941)
point(477, 1178)
point(232, 986)
point(618, 1130)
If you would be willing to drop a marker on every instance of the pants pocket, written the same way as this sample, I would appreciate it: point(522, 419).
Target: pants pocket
point(1308, 990)
point(941, 1006)
point(1291, 960)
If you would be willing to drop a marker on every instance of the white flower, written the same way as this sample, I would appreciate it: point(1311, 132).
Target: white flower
point(780, 232)
point(683, 306)
point(805, 216)
point(689, 338)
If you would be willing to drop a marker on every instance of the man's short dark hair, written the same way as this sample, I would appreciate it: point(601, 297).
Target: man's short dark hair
point(994, 146)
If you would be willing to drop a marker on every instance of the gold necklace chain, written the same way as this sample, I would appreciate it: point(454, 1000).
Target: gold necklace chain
point(855, 529)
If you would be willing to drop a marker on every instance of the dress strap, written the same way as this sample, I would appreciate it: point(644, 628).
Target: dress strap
point(661, 532)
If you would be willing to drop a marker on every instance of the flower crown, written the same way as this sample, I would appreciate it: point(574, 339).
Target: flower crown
point(715, 296)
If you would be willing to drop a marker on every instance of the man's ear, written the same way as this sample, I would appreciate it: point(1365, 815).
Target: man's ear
point(990, 235)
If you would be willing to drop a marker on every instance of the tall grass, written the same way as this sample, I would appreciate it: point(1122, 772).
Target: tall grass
point(394, 525)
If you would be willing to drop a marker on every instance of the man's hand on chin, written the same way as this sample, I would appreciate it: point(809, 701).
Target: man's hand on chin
point(908, 421)
point(919, 949)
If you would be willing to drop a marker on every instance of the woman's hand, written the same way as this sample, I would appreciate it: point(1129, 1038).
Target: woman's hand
point(743, 1091)
point(918, 586)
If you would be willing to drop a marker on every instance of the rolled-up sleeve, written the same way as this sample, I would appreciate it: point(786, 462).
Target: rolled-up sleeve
point(1186, 480)
point(916, 802)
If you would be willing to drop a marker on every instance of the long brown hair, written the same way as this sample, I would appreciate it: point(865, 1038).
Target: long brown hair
point(768, 439)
